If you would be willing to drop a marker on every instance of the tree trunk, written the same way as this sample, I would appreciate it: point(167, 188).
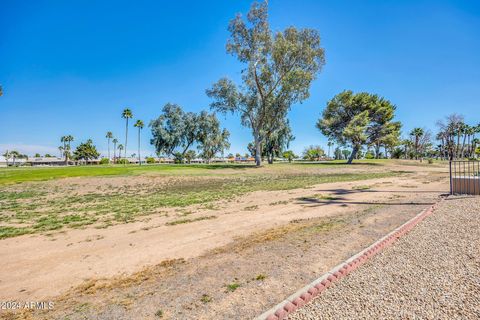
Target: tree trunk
point(139, 160)
point(258, 152)
point(270, 158)
point(126, 138)
point(353, 154)
point(463, 146)
point(416, 148)
point(377, 151)
point(108, 150)
point(457, 149)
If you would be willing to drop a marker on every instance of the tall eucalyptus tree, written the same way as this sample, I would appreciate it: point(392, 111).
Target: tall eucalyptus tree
point(279, 69)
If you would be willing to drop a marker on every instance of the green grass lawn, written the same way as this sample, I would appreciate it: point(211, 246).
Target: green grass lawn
point(24, 174)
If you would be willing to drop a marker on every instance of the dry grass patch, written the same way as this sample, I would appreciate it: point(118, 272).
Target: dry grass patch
point(183, 221)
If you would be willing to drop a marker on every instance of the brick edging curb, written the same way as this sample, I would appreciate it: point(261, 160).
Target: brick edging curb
point(307, 293)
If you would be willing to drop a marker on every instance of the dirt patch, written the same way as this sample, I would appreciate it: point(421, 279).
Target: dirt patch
point(302, 231)
point(234, 277)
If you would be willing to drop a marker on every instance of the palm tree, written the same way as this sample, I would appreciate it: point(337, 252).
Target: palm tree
point(329, 144)
point(66, 140)
point(120, 148)
point(115, 141)
point(416, 133)
point(109, 136)
point(126, 114)
point(139, 125)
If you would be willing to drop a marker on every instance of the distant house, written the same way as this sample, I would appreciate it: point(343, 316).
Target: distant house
point(134, 160)
point(83, 162)
point(164, 160)
point(3, 161)
point(244, 159)
point(47, 161)
point(197, 160)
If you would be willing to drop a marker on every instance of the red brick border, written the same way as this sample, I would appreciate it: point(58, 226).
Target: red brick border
point(307, 293)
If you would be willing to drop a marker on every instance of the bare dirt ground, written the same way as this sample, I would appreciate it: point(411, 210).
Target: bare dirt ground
point(262, 242)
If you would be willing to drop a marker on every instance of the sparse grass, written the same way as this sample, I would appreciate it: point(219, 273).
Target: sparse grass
point(17, 175)
point(232, 286)
point(318, 196)
point(182, 221)
point(42, 208)
point(260, 277)
point(206, 298)
point(251, 208)
point(159, 313)
point(7, 232)
point(362, 187)
point(325, 197)
point(276, 203)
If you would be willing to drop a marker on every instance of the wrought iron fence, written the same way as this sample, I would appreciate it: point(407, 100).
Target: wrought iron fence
point(465, 177)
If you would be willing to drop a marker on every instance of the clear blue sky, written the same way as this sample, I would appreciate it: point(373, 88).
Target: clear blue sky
point(70, 67)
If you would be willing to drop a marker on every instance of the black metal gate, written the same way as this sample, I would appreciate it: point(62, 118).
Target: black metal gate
point(465, 177)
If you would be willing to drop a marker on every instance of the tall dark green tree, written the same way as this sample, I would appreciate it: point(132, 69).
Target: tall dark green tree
point(356, 119)
point(279, 69)
point(386, 135)
point(66, 148)
point(174, 130)
point(86, 151)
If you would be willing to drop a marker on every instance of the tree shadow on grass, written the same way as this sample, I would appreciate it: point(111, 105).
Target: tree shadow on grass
point(215, 166)
point(314, 202)
point(352, 191)
point(337, 197)
point(329, 163)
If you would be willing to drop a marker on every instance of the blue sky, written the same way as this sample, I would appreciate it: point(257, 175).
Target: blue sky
point(70, 67)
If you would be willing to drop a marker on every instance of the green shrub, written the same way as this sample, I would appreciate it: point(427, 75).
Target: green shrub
point(104, 161)
point(369, 155)
point(430, 160)
point(150, 160)
point(122, 161)
point(178, 157)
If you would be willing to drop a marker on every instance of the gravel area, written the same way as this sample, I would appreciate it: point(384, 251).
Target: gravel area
point(433, 272)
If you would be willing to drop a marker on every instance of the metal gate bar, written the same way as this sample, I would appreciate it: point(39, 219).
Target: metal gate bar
point(464, 177)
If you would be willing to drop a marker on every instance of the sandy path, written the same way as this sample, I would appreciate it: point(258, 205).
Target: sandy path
point(35, 267)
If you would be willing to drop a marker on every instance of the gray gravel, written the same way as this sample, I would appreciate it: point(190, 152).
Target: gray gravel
point(431, 273)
